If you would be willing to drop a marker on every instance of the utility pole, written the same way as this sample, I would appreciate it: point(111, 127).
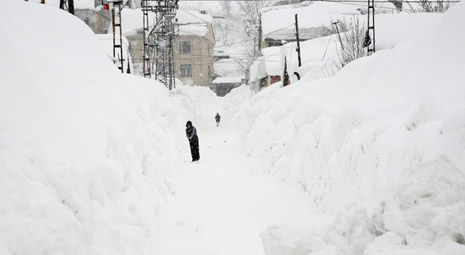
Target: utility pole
point(370, 41)
point(335, 24)
point(298, 40)
point(285, 74)
point(67, 5)
point(116, 8)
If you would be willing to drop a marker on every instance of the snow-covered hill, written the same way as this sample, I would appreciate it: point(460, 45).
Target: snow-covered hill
point(380, 148)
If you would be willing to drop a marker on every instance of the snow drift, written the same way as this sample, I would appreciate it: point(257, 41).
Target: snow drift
point(84, 150)
point(380, 148)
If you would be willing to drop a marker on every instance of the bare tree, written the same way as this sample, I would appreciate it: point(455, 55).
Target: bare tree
point(433, 6)
point(227, 7)
point(352, 40)
point(224, 24)
point(250, 12)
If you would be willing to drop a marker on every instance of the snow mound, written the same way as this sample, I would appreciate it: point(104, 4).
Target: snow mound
point(379, 147)
point(84, 150)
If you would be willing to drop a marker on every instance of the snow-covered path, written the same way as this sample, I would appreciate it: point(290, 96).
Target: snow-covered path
point(225, 201)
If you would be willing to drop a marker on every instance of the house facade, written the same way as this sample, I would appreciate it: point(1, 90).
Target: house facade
point(193, 49)
point(267, 69)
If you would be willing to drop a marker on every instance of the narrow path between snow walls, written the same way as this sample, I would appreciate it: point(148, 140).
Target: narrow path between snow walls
point(224, 203)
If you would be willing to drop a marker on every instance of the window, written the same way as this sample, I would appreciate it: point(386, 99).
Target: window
point(186, 70)
point(185, 47)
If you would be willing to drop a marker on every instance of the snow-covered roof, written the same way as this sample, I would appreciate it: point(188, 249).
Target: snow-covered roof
point(193, 29)
point(219, 80)
point(278, 22)
point(268, 64)
point(192, 17)
point(192, 22)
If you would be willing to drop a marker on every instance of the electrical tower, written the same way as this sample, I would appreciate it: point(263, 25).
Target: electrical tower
point(116, 7)
point(67, 5)
point(158, 60)
point(370, 40)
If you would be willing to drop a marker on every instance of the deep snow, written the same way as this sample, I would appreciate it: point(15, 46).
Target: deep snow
point(85, 152)
point(379, 147)
point(371, 161)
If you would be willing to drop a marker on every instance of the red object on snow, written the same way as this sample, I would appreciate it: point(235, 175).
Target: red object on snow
point(106, 7)
point(274, 79)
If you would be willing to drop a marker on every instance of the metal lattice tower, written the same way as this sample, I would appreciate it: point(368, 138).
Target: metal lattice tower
point(371, 48)
point(158, 60)
point(118, 57)
point(67, 5)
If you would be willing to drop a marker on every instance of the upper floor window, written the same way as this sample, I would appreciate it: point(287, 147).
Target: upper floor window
point(185, 47)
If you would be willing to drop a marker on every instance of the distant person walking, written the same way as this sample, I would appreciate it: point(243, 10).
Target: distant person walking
point(191, 134)
point(217, 118)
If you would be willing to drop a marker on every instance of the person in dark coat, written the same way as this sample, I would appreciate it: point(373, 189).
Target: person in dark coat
point(217, 118)
point(191, 133)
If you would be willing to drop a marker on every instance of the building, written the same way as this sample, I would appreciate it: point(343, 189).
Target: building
point(278, 29)
point(267, 69)
point(99, 20)
point(193, 48)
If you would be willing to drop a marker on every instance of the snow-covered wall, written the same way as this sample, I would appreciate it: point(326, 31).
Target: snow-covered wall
point(380, 148)
point(85, 151)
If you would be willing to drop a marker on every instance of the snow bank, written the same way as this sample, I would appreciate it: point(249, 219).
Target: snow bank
point(106, 40)
point(85, 151)
point(379, 148)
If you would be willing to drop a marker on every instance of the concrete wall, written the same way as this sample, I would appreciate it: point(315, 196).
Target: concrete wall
point(200, 58)
point(136, 49)
point(98, 21)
